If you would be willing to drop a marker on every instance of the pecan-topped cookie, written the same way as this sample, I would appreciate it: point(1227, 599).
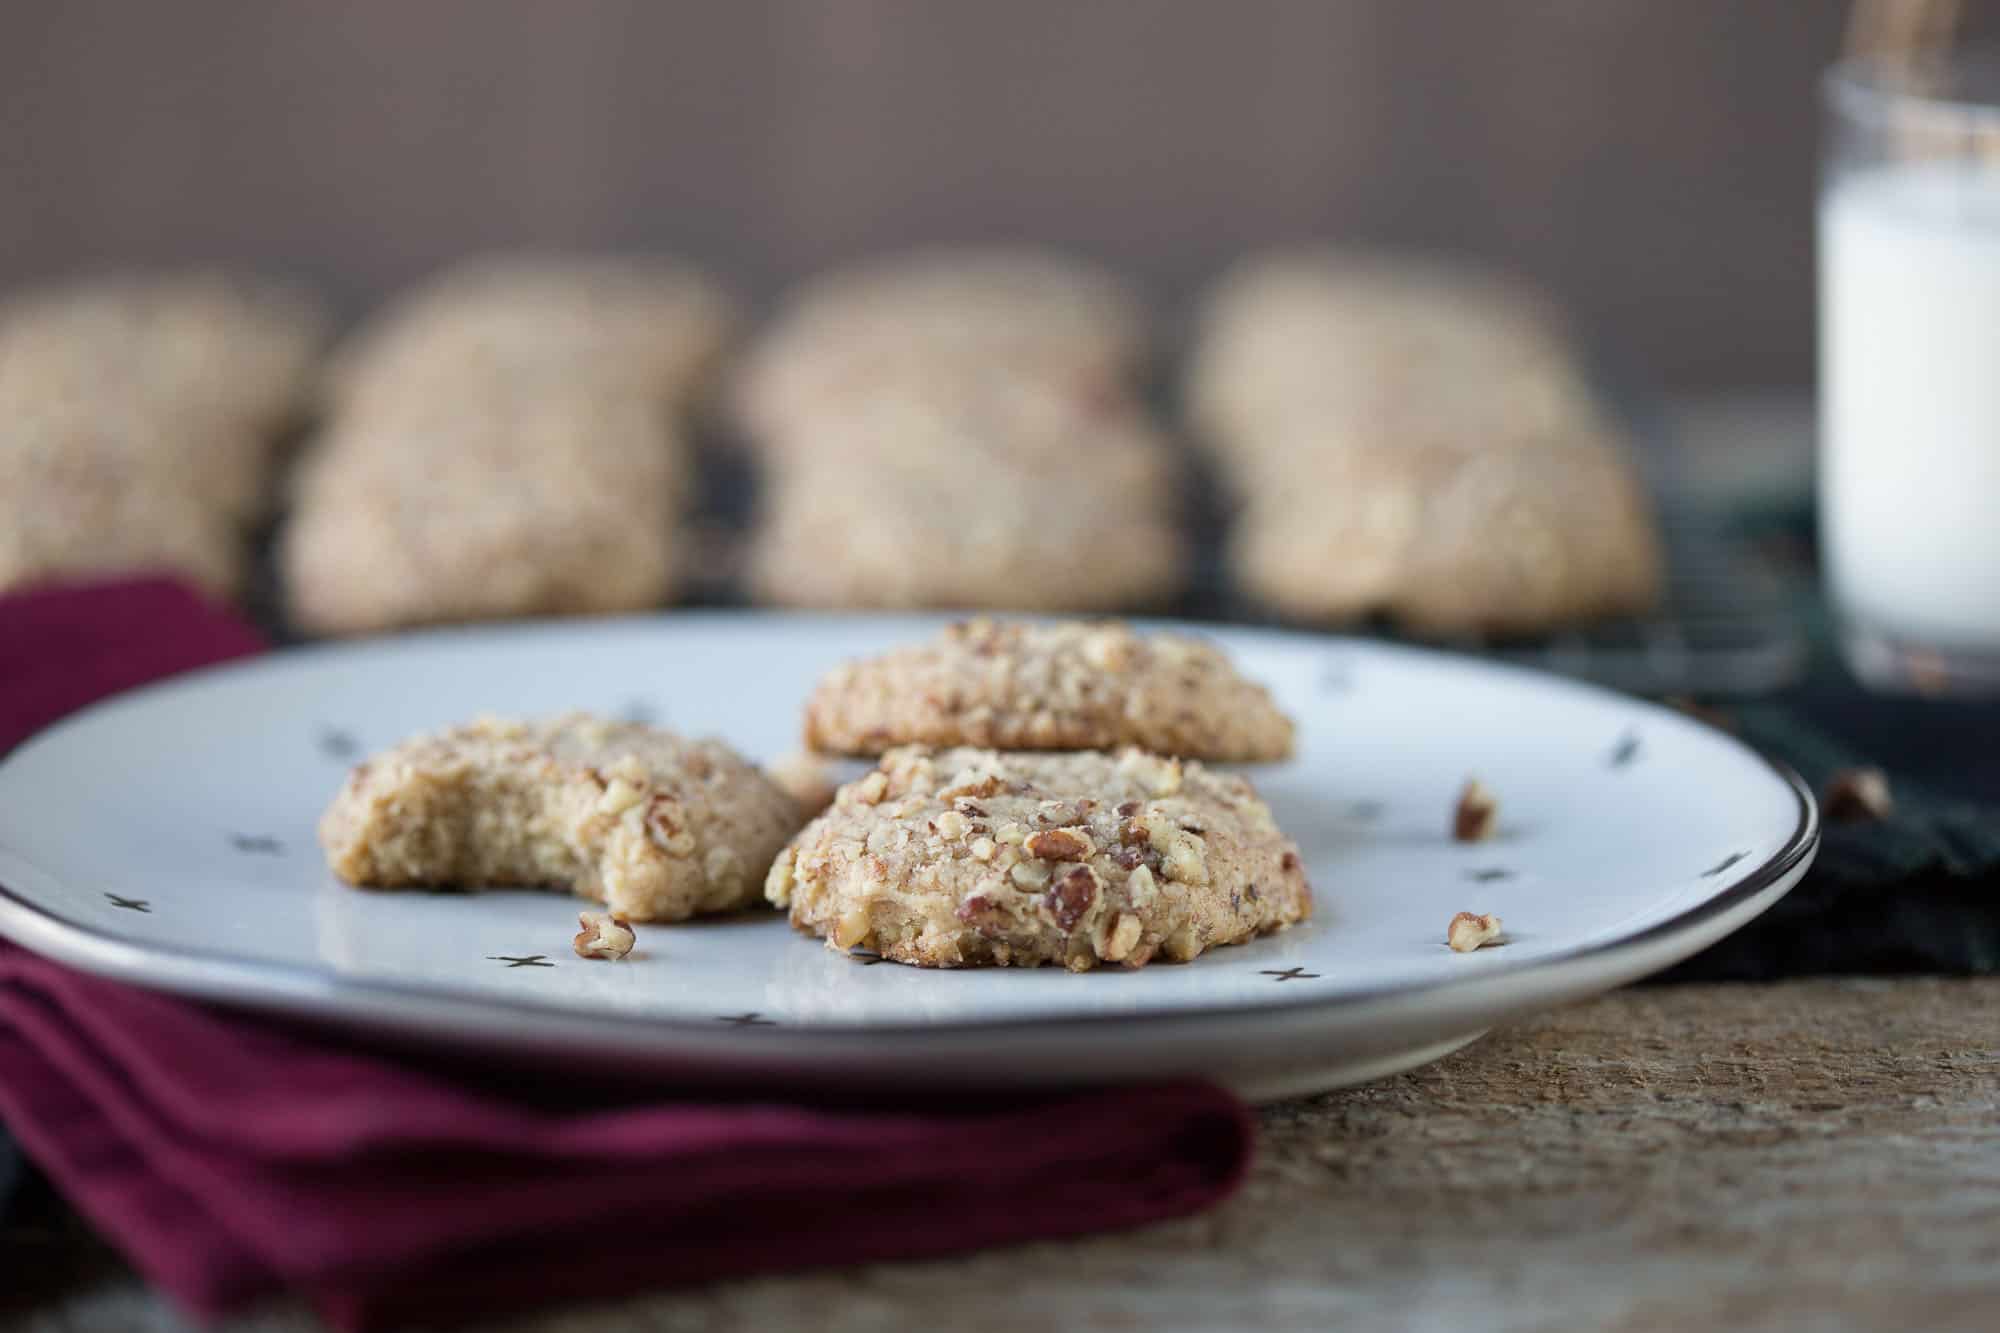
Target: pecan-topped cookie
point(964, 858)
point(655, 827)
point(1071, 685)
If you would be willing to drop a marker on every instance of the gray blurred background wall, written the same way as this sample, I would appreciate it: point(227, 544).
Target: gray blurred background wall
point(1650, 159)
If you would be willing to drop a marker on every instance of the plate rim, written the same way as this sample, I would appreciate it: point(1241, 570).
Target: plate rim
point(296, 987)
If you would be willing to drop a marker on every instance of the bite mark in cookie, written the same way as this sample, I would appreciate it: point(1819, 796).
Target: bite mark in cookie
point(655, 827)
point(967, 857)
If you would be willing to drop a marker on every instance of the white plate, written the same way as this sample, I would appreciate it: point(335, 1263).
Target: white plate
point(165, 837)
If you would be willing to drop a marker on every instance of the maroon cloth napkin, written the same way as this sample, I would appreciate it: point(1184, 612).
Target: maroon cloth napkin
point(61, 648)
point(232, 1158)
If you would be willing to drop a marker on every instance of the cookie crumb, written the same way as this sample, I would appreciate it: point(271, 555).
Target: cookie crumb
point(1477, 813)
point(1469, 931)
point(603, 936)
point(1859, 796)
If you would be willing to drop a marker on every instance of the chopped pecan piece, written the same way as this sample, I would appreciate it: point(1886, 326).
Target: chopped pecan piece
point(977, 790)
point(1469, 931)
point(1477, 813)
point(1070, 895)
point(1116, 937)
point(1060, 844)
point(983, 915)
point(603, 936)
point(1859, 796)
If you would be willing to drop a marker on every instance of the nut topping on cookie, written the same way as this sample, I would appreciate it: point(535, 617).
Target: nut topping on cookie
point(1101, 888)
point(1114, 944)
point(1060, 845)
point(1071, 685)
point(1071, 894)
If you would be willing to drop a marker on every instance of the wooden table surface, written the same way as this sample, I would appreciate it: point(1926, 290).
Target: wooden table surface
point(1819, 1155)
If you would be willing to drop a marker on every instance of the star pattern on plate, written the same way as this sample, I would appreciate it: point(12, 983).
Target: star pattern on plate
point(749, 1020)
point(129, 904)
point(1290, 974)
point(1624, 752)
point(338, 744)
point(256, 844)
point(1489, 874)
point(1723, 864)
point(524, 960)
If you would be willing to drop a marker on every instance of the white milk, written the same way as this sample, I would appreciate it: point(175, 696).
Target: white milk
point(1910, 400)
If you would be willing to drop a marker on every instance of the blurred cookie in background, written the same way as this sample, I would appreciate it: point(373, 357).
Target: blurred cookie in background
point(904, 318)
point(566, 506)
point(961, 428)
point(506, 440)
point(200, 350)
point(998, 536)
point(965, 418)
point(646, 326)
point(138, 419)
point(1448, 541)
point(226, 471)
point(1301, 330)
point(78, 519)
point(437, 551)
point(1416, 438)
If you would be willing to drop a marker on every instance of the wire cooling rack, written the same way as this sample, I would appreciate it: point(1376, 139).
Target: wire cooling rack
point(1728, 626)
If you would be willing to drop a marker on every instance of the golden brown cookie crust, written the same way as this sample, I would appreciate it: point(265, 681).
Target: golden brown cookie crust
point(967, 858)
point(1070, 685)
point(655, 827)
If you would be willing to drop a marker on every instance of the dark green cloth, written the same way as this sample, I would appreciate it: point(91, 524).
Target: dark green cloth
point(1917, 892)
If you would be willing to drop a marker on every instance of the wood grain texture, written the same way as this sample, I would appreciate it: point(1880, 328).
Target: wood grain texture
point(1653, 161)
point(1820, 1155)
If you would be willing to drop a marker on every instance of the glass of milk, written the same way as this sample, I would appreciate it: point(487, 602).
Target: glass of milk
point(1909, 365)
